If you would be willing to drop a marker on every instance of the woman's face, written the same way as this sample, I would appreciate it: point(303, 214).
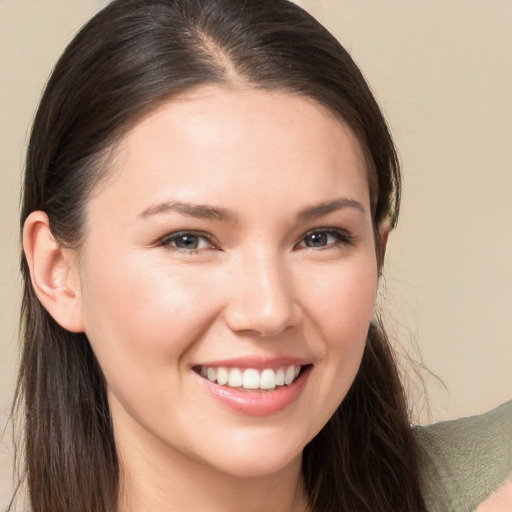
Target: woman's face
point(231, 247)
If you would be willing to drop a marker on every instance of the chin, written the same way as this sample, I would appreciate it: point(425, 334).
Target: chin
point(256, 456)
point(259, 465)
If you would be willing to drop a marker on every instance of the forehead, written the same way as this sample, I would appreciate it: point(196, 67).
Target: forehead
point(246, 139)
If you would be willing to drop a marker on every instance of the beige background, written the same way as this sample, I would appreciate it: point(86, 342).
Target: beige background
point(442, 71)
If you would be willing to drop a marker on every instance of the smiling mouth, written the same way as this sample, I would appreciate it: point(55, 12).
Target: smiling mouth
point(265, 379)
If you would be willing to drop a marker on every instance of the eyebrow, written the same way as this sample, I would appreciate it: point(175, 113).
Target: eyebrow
point(331, 206)
point(199, 211)
point(202, 211)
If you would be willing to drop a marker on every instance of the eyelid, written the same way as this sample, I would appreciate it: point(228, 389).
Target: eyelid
point(342, 235)
point(166, 240)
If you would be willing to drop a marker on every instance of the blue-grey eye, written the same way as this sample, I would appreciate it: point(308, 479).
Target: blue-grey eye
point(324, 238)
point(316, 240)
point(186, 241)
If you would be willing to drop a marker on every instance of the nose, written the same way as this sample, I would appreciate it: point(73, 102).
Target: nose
point(262, 301)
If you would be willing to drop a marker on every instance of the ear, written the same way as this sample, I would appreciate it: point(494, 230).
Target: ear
point(53, 272)
point(382, 241)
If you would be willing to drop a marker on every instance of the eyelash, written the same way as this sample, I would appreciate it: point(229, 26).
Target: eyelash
point(167, 241)
point(341, 236)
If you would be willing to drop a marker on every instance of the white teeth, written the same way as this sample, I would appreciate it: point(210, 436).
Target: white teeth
point(235, 378)
point(280, 377)
point(251, 378)
point(289, 375)
point(222, 376)
point(268, 379)
point(212, 374)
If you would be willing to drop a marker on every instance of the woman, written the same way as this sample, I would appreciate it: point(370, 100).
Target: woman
point(208, 193)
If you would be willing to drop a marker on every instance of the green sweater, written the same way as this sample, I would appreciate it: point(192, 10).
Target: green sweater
point(464, 461)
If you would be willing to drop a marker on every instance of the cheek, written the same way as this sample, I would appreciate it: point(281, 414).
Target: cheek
point(138, 315)
point(341, 301)
point(341, 305)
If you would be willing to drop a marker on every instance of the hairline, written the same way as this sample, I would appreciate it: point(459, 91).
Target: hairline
point(105, 167)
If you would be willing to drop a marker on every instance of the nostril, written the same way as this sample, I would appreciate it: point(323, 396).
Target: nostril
point(247, 318)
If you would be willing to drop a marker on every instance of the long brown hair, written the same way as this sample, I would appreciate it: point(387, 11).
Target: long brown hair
point(130, 57)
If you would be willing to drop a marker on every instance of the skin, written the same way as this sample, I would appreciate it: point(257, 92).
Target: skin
point(500, 500)
point(153, 311)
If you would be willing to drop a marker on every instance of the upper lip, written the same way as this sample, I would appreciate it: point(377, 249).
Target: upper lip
point(256, 362)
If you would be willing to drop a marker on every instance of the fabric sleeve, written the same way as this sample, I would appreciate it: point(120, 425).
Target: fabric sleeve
point(464, 461)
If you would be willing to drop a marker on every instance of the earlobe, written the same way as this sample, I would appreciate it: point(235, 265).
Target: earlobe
point(53, 272)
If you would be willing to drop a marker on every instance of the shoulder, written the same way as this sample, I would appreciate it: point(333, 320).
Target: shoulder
point(464, 461)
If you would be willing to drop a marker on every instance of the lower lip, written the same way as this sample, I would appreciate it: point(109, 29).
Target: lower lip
point(255, 403)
